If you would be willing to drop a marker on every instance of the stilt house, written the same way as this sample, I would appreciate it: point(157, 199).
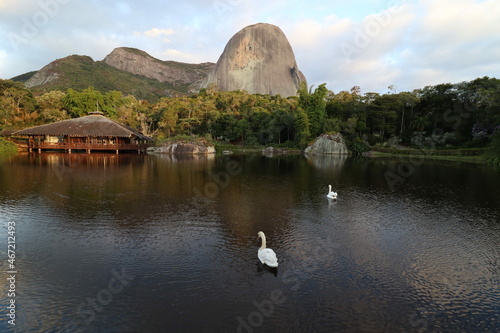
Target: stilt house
point(94, 132)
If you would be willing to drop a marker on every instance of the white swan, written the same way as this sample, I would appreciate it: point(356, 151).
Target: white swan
point(331, 194)
point(266, 256)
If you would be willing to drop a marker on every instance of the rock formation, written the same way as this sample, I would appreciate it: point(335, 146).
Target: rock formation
point(141, 63)
point(183, 148)
point(258, 59)
point(271, 151)
point(332, 144)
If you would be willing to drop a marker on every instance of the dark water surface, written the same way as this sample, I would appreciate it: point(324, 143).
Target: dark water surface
point(136, 243)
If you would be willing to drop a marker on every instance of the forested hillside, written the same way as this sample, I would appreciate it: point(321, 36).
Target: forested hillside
point(465, 114)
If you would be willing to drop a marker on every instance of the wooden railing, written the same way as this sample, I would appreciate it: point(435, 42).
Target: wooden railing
point(86, 146)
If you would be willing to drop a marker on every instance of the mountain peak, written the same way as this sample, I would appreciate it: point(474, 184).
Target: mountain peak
point(54, 71)
point(141, 63)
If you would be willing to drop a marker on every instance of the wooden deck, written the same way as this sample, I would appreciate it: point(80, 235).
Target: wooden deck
point(88, 147)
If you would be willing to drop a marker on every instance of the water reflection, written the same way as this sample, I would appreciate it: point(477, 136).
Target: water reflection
point(327, 161)
point(264, 268)
point(423, 257)
point(331, 202)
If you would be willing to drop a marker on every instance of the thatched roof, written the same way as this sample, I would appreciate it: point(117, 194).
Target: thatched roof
point(5, 132)
point(88, 126)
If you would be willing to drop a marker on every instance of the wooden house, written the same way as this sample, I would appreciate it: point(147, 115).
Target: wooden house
point(94, 132)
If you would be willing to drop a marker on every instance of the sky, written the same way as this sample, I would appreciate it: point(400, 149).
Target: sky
point(407, 44)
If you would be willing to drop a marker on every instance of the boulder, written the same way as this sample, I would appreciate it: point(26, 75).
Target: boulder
point(183, 148)
point(332, 144)
point(271, 151)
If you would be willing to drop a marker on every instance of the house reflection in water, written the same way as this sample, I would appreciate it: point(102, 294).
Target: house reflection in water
point(89, 133)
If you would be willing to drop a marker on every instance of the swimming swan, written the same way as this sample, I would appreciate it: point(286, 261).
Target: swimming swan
point(331, 195)
point(266, 256)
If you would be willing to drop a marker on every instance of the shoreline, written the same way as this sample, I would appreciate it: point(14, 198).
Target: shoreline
point(456, 155)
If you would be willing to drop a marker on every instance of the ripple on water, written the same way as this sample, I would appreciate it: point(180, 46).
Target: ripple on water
point(411, 259)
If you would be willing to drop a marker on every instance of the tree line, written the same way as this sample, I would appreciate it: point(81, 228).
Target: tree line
point(465, 114)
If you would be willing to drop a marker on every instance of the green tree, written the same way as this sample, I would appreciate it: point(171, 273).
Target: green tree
point(302, 127)
point(381, 115)
point(492, 155)
point(126, 112)
point(435, 101)
point(241, 129)
point(51, 106)
point(112, 100)
point(407, 103)
point(420, 123)
point(79, 104)
point(224, 128)
point(17, 105)
point(314, 104)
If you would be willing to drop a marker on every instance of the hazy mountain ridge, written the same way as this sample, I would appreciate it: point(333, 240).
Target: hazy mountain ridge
point(131, 71)
point(80, 72)
point(258, 59)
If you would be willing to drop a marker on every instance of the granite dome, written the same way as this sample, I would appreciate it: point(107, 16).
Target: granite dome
point(258, 59)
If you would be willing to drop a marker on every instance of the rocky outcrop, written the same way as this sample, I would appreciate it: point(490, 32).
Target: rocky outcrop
point(328, 144)
point(141, 63)
point(183, 148)
point(258, 59)
point(41, 78)
point(271, 151)
point(56, 70)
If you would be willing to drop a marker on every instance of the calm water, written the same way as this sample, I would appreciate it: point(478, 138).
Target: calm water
point(130, 243)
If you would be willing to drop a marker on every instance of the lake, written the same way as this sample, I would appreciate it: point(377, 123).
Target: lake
point(141, 243)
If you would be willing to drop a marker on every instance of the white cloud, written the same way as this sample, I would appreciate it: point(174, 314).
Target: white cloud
point(3, 58)
point(18, 7)
point(158, 34)
point(453, 41)
point(461, 21)
point(343, 53)
point(176, 55)
point(310, 33)
point(421, 43)
point(155, 32)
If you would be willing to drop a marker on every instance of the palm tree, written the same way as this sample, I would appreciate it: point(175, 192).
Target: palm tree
point(420, 123)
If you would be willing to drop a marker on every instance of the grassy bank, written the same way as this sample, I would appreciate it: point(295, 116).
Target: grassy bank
point(224, 146)
point(473, 155)
point(220, 147)
point(7, 146)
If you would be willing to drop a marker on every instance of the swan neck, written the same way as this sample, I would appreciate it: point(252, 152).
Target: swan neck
point(263, 237)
